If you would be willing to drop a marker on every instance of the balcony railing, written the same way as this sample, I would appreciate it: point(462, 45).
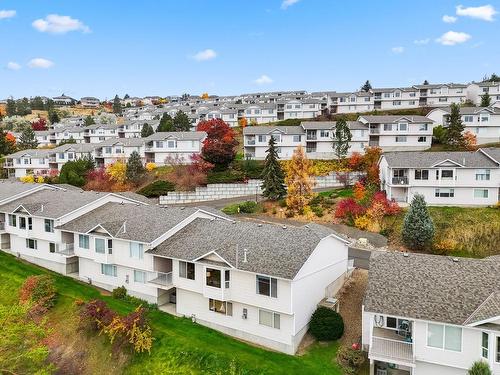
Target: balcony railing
point(8, 164)
point(2, 226)
point(400, 180)
point(311, 137)
point(66, 249)
point(161, 278)
point(251, 142)
point(374, 131)
point(391, 350)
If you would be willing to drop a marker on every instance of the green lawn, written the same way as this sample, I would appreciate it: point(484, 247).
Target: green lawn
point(180, 346)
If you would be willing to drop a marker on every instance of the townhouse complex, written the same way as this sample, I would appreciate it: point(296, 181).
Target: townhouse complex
point(431, 315)
point(443, 178)
point(257, 282)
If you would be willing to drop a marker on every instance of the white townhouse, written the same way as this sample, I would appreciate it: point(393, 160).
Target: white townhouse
point(476, 90)
point(443, 178)
point(90, 102)
point(67, 133)
point(230, 116)
point(133, 129)
point(257, 282)
point(430, 314)
point(31, 161)
point(399, 133)
point(395, 98)
point(261, 113)
point(483, 122)
point(44, 137)
point(256, 140)
point(70, 152)
point(350, 102)
point(441, 95)
point(100, 132)
point(113, 149)
point(176, 145)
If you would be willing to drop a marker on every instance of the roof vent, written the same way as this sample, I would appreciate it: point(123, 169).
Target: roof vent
point(284, 226)
point(121, 203)
point(182, 208)
point(245, 260)
point(405, 254)
point(259, 225)
point(455, 260)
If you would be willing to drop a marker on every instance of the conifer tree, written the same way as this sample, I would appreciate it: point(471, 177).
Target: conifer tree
point(273, 185)
point(418, 228)
point(454, 136)
point(135, 169)
point(298, 181)
point(181, 122)
point(485, 100)
point(367, 86)
point(117, 105)
point(166, 123)
point(27, 139)
point(147, 130)
point(341, 139)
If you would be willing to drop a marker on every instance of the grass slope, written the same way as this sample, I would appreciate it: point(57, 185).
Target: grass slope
point(180, 346)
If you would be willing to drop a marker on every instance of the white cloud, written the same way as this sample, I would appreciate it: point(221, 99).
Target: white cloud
point(453, 37)
point(263, 80)
point(56, 24)
point(286, 3)
point(7, 14)
point(13, 65)
point(397, 49)
point(41, 63)
point(449, 19)
point(485, 12)
point(207, 54)
point(421, 41)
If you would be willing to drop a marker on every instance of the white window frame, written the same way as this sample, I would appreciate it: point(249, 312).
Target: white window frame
point(104, 246)
point(142, 279)
point(33, 241)
point(443, 347)
point(481, 197)
point(114, 270)
point(83, 238)
point(136, 250)
point(275, 319)
point(485, 349)
point(273, 291)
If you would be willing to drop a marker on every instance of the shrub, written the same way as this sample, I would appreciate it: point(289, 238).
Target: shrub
point(157, 188)
point(225, 177)
point(318, 210)
point(350, 359)
point(119, 293)
point(480, 368)
point(150, 166)
point(326, 324)
point(29, 179)
point(362, 222)
point(348, 209)
point(248, 207)
point(39, 290)
point(95, 314)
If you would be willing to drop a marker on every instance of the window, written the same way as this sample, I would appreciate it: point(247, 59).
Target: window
point(421, 174)
point(108, 270)
point(468, 118)
point(171, 144)
point(480, 193)
point(30, 223)
point(221, 307)
point(391, 322)
point(110, 246)
point(324, 133)
point(269, 318)
point(136, 250)
point(49, 225)
point(447, 174)
point(497, 354)
point(277, 137)
point(412, 102)
point(83, 241)
point(412, 94)
point(297, 138)
point(444, 337)
point(482, 175)
point(262, 138)
point(423, 127)
point(227, 278)
point(400, 139)
point(12, 220)
point(52, 247)
point(484, 345)
point(159, 144)
point(61, 155)
point(403, 126)
point(445, 193)
point(387, 127)
point(22, 222)
point(213, 277)
point(31, 244)
point(139, 276)
point(100, 246)
point(186, 270)
point(485, 118)
point(267, 286)
point(396, 102)
point(422, 139)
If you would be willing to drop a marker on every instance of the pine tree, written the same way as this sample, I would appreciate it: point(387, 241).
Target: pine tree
point(147, 130)
point(485, 100)
point(27, 139)
point(181, 122)
point(418, 228)
point(166, 123)
point(89, 120)
point(367, 86)
point(298, 181)
point(454, 136)
point(11, 107)
point(426, 83)
point(341, 139)
point(54, 117)
point(135, 169)
point(273, 184)
point(117, 105)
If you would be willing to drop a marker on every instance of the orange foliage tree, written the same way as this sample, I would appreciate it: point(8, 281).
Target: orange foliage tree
point(470, 140)
point(298, 180)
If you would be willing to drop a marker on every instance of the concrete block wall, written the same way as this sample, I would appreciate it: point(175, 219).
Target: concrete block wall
point(251, 187)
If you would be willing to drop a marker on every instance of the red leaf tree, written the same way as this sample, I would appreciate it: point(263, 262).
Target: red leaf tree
point(220, 145)
point(40, 124)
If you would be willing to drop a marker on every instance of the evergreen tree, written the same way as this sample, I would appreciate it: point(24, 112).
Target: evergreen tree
point(273, 184)
point(181, 122)
point(341, 138)
point(127, 96)
point(23, 107)
point(367, 86)
point(166, 123)
point(89, 120)
point(74, 172)
point(147, 130)
point(54, 116)
point(135, 169)
point(298, 181)
point(49, 105)
point(426, 83)
point(454, 136)
point(27, 139)
point(11, 107)
point(485, 100)
point(418, 228)
point(117, 105)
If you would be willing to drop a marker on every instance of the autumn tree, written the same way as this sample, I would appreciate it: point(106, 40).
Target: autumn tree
point(135, 169)
point(485, 100)
point(273, 178)
point(166, 123)
point(117, 171)
point(27, 139)
point(298, 181)
point(7, 146)
point(117, 105)
point(146, 130)
point(341, 139)
point(219, 147)
point(243, 122)
point(40, 124)
point(181, 122)
point(470, 141)
point(204, 96)
point(454, 136)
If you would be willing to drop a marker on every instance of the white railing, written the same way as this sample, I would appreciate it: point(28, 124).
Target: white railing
point(66, 249)
point(392, 349)
point(161, 278)
point(2, 225)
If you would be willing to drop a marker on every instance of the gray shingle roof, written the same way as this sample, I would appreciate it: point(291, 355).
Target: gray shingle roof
point(10, 188)
point(179, 135)
point(112, 216)
point(271, 250)
point(431, 287)
point(252, 130)
point(380, 119)
point(492, 152)
point(311, 125)
point(473, 110)
point(34, 153)
point(427, 159)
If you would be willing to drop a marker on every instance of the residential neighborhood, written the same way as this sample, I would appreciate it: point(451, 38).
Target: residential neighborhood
point(266, 187)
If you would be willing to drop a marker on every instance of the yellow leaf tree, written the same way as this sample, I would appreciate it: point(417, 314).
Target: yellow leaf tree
point(298, 181)
point(117, 171)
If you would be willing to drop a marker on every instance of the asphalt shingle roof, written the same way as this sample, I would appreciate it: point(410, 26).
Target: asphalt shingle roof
point(380, 119)
point(251, 130)
point(427, 159)
point(311, 125)
point(178, 135)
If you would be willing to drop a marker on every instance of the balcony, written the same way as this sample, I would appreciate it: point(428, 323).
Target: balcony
point(162, 279)
point(67, 249)
point(2, 226)
point(52, 159)
point(250, 142)
point(400, 180)
point(312, 137)
point(388, 346)
point(8, 164)
point(374, 131)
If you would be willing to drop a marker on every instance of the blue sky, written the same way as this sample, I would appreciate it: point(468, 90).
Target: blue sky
point(103, 48)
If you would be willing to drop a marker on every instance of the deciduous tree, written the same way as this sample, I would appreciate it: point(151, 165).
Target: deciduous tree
point(40, 124)
point(219, 147)
point(298, 181)
point(54, 117)
point(273, 184)
point(418, 228)
point(7, 144)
